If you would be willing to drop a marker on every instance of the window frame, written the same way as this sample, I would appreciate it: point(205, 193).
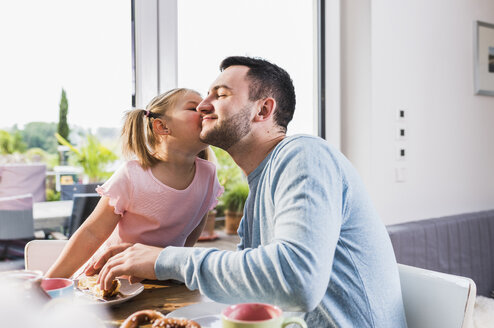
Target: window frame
point(155, 58)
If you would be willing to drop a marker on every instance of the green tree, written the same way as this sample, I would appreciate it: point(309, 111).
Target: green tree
point(11, 142)
point(6, 143)
point(40, 135)
point(63, 127)
point(19, 143)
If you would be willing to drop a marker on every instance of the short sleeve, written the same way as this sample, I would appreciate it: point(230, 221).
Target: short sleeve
point(217, 192)
point(119, 189)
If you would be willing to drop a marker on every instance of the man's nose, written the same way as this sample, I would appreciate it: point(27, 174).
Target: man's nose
point(204, 106)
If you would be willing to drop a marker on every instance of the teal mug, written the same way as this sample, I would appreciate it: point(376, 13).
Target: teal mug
point(257, 315)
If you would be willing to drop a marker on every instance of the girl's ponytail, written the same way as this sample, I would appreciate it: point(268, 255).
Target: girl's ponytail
point(136, 134)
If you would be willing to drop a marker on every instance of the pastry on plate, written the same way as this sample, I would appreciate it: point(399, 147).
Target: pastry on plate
point(90, 283)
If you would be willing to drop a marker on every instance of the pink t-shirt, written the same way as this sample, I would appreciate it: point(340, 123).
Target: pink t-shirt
point(155, 214)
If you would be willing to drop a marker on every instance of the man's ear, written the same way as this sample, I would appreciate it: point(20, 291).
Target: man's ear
point(266, 109)
point(160, 127)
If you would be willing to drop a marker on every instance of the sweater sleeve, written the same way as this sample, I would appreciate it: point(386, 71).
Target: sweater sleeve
point(293, 269)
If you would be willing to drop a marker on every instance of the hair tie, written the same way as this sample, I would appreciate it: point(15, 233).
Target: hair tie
point(147, 112)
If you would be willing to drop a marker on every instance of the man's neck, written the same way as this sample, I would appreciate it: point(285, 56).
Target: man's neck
point(248, 154)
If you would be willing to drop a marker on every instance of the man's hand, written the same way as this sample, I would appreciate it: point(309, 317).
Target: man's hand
point(136, 262)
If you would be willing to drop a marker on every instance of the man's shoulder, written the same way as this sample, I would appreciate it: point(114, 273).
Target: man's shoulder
point(303, 145)
point(306, 154)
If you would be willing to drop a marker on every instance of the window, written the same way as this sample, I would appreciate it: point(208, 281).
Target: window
point(81, 46)
point(280, 31)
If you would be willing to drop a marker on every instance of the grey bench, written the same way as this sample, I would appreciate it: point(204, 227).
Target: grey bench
point(460, 244)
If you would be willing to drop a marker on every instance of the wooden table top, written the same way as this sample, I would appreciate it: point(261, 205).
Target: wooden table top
point(167, 296)
point(162, 296)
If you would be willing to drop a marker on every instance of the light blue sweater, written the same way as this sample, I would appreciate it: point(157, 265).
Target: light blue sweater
point(311, 242)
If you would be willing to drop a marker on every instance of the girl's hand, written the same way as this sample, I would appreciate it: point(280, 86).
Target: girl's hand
point(136, 262)
point(95, 266)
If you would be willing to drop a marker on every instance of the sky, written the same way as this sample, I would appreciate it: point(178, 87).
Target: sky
point(66, 44)
point(280, 31)
point(85, 48)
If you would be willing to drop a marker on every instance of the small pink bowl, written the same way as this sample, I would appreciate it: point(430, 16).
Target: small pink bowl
point(58, 287)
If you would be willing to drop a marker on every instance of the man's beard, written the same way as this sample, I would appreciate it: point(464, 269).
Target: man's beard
point(229, 131)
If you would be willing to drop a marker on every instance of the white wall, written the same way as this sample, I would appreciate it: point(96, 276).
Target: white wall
point(422, 61)
point(356, 86)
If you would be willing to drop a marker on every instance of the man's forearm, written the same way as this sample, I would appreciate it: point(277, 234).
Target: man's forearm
point(266, 274)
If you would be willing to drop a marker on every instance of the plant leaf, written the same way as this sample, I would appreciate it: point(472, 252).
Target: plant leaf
point(64, 142)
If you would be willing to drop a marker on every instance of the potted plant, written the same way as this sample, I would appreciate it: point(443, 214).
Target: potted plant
point(92, 156)
point(208, 232)
point(234, 201)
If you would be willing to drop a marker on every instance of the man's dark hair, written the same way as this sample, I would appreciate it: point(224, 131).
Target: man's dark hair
point(267, 80)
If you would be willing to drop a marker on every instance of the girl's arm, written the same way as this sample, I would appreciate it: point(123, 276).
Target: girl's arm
point(194, 235)
point(86, 240)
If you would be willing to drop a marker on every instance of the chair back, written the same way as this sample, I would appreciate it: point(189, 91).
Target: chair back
point(67, 192)
point(19, 179)
point(16, 217)
point(83, 206)
point(434, 299)
point(18, 202)
point(41, 254)
point(459, 244)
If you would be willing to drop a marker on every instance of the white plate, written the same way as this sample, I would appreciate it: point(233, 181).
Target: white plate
point(207, 314)
point(210, 321)
point(127, 291)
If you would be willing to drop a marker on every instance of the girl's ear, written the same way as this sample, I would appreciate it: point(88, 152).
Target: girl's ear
point(266, 109)
point(160, 127)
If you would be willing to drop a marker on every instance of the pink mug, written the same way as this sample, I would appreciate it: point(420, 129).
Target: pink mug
point(257, 315)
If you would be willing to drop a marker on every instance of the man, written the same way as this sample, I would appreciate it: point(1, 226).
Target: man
point(310, 239)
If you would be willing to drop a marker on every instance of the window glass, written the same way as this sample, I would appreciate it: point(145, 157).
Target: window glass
point(81, 46)
point(280, 31)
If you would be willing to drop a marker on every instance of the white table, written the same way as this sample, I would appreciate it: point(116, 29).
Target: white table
point(52, 215)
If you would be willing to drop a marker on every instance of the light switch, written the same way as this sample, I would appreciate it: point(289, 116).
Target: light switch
point(401, 132)
point(401, 114)
point(401, 152)
point(400, 174)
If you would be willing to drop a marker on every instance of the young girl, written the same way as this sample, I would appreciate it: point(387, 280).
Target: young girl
point(162, 197)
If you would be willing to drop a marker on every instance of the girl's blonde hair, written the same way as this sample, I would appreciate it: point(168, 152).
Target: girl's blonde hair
point(138, 138)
